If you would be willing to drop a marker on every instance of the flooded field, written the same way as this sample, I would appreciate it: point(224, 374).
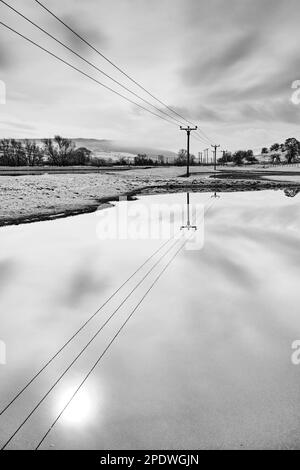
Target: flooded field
point(204, 361)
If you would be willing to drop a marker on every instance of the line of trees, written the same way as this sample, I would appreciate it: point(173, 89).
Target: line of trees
point(290, 151)
point(181, 159)
point(142, 159)
point(56, 152)
point(238, 158)
point(61, 151)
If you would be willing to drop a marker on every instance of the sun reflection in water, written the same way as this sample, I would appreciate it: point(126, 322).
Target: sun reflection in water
point(79, 411)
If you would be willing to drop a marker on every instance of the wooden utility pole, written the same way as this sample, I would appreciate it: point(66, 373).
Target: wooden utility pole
point(206, 156)
point(188, 130)
point(215, 159)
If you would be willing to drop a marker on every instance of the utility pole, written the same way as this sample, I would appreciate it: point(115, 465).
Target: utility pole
point(206, 157)
point(188, 130)
point(215, 162)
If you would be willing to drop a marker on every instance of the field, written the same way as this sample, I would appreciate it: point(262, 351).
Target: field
point(30, 197)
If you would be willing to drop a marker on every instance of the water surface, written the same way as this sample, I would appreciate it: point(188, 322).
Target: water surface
point(205, 362)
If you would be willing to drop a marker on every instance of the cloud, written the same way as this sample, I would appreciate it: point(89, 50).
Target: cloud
point(226, 63)
point(222, 61)
point(272, 82)
point(5, 57)
point(95, 37)
point(14, 125)
point(270, 111)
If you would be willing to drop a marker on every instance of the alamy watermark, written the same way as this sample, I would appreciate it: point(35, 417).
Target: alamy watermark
point(295, 98)
point(156, 221)
point(295, 357)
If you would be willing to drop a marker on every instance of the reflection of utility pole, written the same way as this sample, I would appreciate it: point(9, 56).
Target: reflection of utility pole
point(215, 163)
point(188, 130)
point(188, 222)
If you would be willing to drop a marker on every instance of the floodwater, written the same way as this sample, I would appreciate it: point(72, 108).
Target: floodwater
point(205, 359)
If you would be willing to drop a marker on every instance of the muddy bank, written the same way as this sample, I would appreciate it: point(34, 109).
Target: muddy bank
point(219, 185)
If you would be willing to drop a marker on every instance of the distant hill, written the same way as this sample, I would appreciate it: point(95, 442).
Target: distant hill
point(103, 148)
point(113, 149)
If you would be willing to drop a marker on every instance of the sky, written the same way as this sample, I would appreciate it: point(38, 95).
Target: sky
point(227, 65)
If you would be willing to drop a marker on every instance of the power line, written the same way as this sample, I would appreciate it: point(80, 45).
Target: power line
point(117, 67)
point(80, 329)
point(88, 62)
point(111, 342)
point(85, 347)
point(86, 74)
point(199, 137)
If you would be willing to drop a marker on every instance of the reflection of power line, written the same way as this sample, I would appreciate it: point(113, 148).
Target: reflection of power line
point(188, 225)
point(81, 328)
point(44, 367)
point(110, 343)
point(115, 337)
point(86, 346)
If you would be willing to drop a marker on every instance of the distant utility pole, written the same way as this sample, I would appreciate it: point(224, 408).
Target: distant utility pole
point(224, 153)
point(206, 155)
point(188, 130)
point(215, 159)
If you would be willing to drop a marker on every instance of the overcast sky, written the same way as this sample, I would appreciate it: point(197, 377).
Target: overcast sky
point(226, 64)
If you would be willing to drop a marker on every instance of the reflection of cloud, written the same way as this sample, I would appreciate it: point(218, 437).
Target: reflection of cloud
point(7, 270)
point(84, 282)
point(230, 268)
point(270, 236)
